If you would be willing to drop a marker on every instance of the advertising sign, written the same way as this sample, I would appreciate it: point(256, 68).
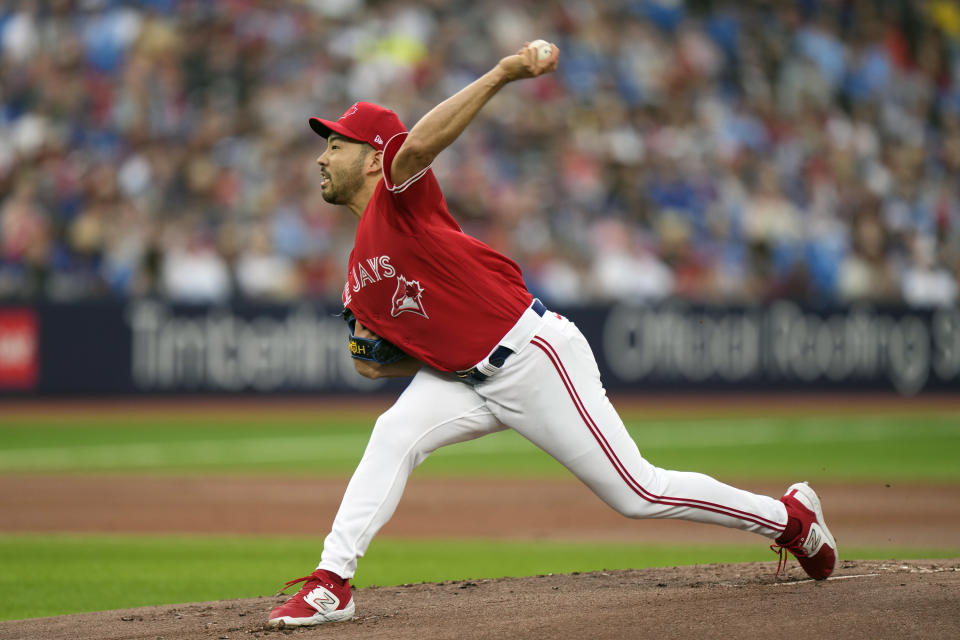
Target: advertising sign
point(151, 347)
point(18, 349)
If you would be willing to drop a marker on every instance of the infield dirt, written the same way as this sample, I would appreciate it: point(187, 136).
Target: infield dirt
point(864, 600)
point(860, 515)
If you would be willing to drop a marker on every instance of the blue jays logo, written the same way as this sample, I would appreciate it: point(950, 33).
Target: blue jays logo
point(408, 297)
point(352, 110)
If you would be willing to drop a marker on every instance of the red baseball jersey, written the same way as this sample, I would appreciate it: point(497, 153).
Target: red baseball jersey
point(416, 279)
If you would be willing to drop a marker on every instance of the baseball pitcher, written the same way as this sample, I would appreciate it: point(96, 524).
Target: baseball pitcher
point(423, 299)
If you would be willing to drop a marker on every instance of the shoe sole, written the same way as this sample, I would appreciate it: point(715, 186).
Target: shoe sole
point(813, 499)
point(340, 615)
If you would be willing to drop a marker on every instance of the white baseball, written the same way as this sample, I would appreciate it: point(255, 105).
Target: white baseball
point(544, 49)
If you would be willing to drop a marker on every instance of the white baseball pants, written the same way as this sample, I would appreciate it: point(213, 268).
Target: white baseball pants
point(550, 392)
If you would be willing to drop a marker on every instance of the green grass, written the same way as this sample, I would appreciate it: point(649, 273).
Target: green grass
point(844, 447)
point(114, 572)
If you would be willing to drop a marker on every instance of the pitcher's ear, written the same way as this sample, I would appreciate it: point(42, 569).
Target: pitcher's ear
point(375, 161)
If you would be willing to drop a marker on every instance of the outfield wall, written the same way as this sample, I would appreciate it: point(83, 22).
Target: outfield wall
point(150, 347)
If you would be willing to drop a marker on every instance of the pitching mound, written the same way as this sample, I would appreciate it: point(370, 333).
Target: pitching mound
point(915, 599)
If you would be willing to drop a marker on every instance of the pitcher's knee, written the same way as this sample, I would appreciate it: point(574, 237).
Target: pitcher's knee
point(388, 433)
point(637, 509)
point(393, 437)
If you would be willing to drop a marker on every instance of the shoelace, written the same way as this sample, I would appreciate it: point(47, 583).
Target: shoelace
point(293, 582)
point(793, 546)
point(781, 560)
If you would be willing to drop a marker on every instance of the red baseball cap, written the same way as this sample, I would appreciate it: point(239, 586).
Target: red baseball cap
point(364, 121)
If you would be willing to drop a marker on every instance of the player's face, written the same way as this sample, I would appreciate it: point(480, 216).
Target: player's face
point(341, 168)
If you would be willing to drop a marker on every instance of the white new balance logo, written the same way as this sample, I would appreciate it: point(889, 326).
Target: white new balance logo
point(814, 540)
point(322, 600)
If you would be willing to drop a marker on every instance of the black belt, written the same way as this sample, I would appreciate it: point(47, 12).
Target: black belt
point(499, 355)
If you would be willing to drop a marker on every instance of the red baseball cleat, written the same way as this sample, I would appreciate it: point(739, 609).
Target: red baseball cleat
point(806, 535)
point(326, 597)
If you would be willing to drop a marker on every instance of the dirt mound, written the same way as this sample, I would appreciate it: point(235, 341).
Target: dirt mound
point(915, 599)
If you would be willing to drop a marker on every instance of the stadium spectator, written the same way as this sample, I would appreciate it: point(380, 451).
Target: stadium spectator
point(715, 151)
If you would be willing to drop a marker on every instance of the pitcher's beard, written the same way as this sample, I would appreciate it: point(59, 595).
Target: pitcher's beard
point(345, 186)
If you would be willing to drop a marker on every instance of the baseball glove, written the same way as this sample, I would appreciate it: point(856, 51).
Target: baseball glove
point(376, 350)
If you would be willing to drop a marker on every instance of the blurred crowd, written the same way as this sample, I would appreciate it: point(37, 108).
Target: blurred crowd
point(712, 151)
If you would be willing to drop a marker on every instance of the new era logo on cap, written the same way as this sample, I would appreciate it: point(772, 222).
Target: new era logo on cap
point(363, 121)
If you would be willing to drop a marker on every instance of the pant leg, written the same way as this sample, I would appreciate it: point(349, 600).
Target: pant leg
point(551, 393)
point(433, 411)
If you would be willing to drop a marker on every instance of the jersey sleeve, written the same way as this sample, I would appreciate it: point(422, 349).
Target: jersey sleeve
point(389, 153)
point(418, 197)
